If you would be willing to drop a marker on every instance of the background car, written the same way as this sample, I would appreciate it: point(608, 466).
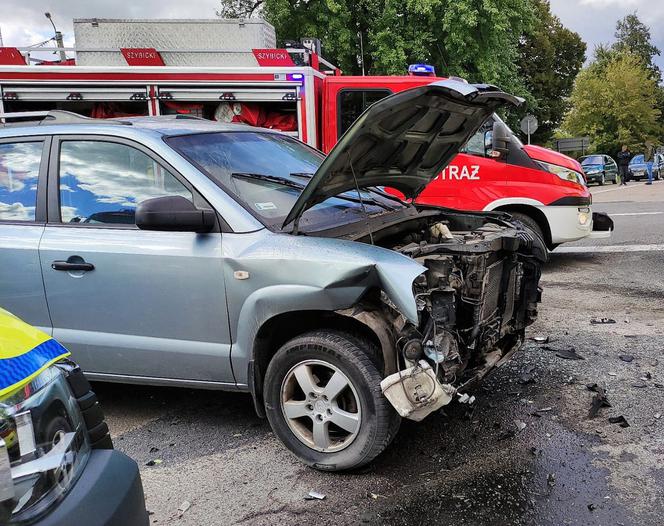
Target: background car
point(57, 463)
point(658, 166)
point(638, 167)
point(599, 168)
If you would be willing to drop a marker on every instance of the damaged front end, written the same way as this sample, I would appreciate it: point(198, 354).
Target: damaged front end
point(479, 293)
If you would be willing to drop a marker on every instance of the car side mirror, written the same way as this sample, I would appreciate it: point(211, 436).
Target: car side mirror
point(174, 214)
point(500, 139)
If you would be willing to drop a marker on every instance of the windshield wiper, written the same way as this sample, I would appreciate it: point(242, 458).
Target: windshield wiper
point(269, 178)
point(292, 184)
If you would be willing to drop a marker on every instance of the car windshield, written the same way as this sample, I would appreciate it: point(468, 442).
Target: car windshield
point(591, 159)
point(266, 172)
point(637, 159)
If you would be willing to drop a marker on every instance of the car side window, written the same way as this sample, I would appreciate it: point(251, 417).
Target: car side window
point(19, 174)
point(103, 182)
point(353, 102)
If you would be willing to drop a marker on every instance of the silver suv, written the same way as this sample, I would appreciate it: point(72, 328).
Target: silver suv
point(183, 252)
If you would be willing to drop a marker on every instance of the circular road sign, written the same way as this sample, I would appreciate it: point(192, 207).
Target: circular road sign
point(529, 124)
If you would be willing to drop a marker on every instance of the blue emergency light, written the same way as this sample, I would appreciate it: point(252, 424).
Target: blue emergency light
point(297, 77)
point(422, 70)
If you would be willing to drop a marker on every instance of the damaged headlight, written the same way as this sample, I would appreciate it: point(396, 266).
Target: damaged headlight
point(565, 174)
point(43, 446)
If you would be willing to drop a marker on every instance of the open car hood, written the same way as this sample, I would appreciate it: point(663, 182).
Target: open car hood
point(403, 141)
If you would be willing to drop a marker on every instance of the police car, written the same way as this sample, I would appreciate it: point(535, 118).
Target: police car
point(57, 463)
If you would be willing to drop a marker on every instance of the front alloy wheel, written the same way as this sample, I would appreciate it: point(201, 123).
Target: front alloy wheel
point(320, 406)
point(324, 402)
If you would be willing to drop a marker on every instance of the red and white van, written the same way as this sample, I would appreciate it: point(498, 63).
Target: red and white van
point(297, 91)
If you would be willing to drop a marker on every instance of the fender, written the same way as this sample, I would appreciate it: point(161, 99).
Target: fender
point(268, 275)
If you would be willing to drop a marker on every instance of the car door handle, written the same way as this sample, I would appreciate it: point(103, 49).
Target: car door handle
point(68, 265)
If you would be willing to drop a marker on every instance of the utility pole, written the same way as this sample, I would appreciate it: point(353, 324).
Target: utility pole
point(58, 38)
point(359, 34)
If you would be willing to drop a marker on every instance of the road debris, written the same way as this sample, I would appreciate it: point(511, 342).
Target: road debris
point(626, 358)
point(639, 385)
point(540, 339)
point(601, 321)
point(620, 420)
point(182, 508)
point(599, 399)
point(591, 506)
point(154, 462)
point(569, 354)
point(551, 480)
point(520, 425)
point(527, 377)
point(314, 495)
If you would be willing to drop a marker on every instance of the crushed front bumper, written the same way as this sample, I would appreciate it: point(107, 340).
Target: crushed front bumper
point(602, 226)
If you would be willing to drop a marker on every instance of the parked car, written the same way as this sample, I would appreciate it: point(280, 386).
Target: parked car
point(57, 463)
point(240, 258)
point(658, 167)
point(599, 168)
point(638, 167)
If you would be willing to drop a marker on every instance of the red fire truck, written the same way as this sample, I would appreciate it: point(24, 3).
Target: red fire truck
point(297, 91)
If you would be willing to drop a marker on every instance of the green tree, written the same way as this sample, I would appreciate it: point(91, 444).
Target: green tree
point(614, 103)
point(239, 8)
point(633, 36)
point(474, 39)
point(550, 57)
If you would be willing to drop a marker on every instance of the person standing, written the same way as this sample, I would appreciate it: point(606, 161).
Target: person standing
point(648, 158)
point(623, 162)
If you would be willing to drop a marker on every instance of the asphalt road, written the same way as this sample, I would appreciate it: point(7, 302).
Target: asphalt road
point(214, 459)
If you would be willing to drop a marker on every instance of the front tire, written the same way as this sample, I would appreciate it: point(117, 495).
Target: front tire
point(529, 222)
point(324, 402)
point(602, 179)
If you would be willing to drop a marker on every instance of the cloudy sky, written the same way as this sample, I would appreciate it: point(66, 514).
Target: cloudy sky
point(22, 22)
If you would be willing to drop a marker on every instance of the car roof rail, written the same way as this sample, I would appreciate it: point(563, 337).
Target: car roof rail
point(42, 118)
point(69, 117)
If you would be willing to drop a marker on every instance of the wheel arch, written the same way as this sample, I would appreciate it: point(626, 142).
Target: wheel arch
point(359, 321)
point(533, 212)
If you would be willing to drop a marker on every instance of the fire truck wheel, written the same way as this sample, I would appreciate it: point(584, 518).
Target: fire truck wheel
point(528, 222)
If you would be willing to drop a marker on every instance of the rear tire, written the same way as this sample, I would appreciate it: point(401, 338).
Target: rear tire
point(303, 379)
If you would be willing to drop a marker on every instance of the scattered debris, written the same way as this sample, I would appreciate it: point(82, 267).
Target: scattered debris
point(612, 373)
point(465, 399)
point(551, 480)
point(601, 321)
point(374, 495)
point(591, 506)
point(598, 401)
point(626, 358)
point(569, 354)
point(540, 339)
point(182, 508)
point(639, 385)
point(646, 376)
point(314, 495)
point(538, 412)
point(520, 425)
point(620, 420)
point(154, 449)
point(527, 377)
point(658, 415)
point(154, 462)
point(630, 335)
point(659, 386)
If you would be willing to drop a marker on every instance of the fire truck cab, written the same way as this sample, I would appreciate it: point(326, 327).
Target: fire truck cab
point(293, 90)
